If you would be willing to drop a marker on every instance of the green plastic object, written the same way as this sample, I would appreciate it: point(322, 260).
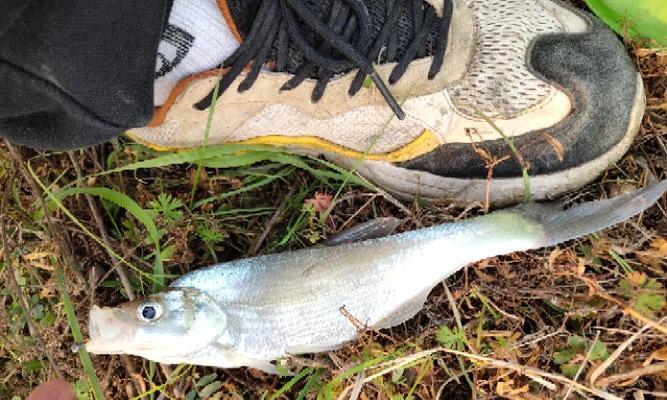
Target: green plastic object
point(635, 19)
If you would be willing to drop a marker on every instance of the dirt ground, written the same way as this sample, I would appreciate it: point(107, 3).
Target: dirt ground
point(577, 321)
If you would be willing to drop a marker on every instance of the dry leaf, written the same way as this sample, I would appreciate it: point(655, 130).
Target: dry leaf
point(660, 355)
point(601, 247)
point(644, 52)
point(553, 256)
point(662, 58)
point(637, 279)
point(36, 256)
point(660, 245)
point(581, 266)
point(48, 290)
point(506, 388)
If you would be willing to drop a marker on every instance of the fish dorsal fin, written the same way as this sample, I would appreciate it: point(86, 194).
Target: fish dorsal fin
point(373, 229)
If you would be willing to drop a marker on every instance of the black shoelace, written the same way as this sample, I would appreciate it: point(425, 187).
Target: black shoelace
point(346, 44)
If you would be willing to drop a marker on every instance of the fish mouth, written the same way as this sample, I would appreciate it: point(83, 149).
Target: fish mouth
point(109, 333)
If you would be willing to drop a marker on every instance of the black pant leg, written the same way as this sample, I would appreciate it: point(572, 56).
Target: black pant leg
point(74, 73)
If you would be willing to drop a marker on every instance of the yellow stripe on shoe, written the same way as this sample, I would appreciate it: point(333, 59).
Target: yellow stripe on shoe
point(425, 143)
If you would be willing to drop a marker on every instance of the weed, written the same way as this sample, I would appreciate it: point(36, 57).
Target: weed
point(644, 294)
point(571, 358)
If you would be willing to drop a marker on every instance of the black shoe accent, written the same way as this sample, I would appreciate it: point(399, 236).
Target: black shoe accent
point(595, 69)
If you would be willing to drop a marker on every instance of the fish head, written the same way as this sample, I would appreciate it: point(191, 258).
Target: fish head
point(165, 327)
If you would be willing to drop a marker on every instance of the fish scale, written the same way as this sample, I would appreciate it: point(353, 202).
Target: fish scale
point(253, 311)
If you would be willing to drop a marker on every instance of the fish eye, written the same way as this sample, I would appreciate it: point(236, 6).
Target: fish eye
point(149, 312)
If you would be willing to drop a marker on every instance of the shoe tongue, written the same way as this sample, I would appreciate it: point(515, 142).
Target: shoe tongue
point(243, 12)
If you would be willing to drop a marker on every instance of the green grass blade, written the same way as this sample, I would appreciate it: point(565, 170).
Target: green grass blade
point(192, 156)
point(248, 188)
point(328, 389)
point(58, 203)
point(124, 201)
point(237, 160)
point(289, 385)
point(332, 171)
point(78, 337)
point(527, 187)
point(310, 385)
point(207, 130)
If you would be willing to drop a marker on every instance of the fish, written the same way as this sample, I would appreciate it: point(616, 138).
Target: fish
point(252, 312)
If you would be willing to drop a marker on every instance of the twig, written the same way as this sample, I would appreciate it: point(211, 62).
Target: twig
point(275, 219)
point(103, 232)
point(358, 211)
point(139, 384)
point(359, 384)
point(490, 163)
point(393, 200)
point(617, 353)
point(500, 310)
point(25, 307)
point(654, 394)
point(455, 309)
point(600, 292)
point(638, 373)
point(529, 372)
point(64, 249)
point(459, 323)
point(525, 166)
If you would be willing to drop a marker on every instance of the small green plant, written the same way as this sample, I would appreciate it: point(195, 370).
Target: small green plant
point(455, 339)
point(205, 387)
point(643, 293)
point(211, 236)
point(167, 206)
point(452, 339)
point(571, 358)
point(82, 390)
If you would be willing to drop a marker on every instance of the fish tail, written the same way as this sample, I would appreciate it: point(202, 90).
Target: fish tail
point(562, 225)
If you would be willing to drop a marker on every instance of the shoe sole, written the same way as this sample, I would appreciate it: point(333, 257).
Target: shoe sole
point(407, 184)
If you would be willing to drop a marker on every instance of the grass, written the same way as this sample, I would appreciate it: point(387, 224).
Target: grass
point(531, 325)
point(78, 337)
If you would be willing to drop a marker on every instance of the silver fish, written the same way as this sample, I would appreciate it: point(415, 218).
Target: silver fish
point(249, 312)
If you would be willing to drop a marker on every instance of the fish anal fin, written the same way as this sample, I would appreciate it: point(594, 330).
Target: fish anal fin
point(404, 312)
point(373, 229)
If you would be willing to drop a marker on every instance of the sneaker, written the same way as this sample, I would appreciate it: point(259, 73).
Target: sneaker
point(422, 98)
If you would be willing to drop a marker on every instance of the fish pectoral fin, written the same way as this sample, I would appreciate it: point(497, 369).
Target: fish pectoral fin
point(264, 366)
point(224, 357)
point(373, 229)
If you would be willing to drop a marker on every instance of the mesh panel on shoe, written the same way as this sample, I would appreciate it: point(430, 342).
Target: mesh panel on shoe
point(499, 82)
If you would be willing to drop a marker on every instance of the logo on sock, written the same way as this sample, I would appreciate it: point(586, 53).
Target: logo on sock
point(175, 46)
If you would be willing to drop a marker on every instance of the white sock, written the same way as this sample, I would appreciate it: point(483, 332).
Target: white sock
point(196, 39)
